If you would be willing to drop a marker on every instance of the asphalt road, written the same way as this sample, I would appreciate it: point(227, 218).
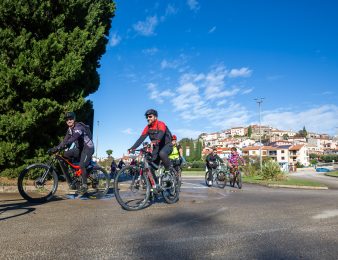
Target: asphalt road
point(207, 223)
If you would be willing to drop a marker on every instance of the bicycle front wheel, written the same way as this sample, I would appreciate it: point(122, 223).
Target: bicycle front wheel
point(239, 180)
point(132, 188)
point(221, 179)
point(206, 179)
point(38, 183)
point(171, 192)
point(99, 185)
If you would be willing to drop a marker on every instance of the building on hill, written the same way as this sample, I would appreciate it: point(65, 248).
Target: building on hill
point(238, 131)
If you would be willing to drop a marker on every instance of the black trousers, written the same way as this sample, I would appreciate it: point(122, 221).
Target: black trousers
point(83, 157)
point(162, 153)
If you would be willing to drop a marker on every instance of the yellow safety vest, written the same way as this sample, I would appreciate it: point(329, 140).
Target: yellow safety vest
point(175, 154)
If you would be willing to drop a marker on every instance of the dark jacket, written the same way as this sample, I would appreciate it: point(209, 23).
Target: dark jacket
point(77, 135)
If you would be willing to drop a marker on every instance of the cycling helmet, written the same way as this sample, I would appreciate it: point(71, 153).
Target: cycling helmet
point(151, 112)
point(174, 137)
point(70, 115)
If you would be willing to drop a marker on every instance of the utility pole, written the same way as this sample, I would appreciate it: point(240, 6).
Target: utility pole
point(259, 101)
point(97, 139)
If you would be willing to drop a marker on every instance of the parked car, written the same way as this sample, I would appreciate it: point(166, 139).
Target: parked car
point(321, 169)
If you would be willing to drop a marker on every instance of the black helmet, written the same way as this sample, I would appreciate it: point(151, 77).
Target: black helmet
point(151, 112)
point(70, 115)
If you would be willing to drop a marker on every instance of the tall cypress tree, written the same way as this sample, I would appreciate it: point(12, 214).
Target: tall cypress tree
point(49, 55)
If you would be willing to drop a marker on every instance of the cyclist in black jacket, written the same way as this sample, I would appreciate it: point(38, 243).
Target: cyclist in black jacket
point(212, 161)
point(79, 134)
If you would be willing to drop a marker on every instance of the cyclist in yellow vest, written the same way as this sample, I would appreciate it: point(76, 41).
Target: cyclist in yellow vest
point(177, 153)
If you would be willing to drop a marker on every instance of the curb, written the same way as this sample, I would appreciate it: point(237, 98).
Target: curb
point(298, 187)
point(8, 189)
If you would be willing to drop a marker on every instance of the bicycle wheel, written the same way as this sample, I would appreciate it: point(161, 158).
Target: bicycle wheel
point(206, 180)
point(221, 179)
point(38, 183)
point(232, 180)
point(99, 183)
point(239, 180)
point(171, 192)
point(132, 189)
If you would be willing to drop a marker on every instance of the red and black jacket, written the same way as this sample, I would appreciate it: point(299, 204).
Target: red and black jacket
point(158, 133)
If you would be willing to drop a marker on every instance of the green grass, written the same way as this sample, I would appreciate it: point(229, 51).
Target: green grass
point(193, 173)
point(332, 174)
point(289, 181)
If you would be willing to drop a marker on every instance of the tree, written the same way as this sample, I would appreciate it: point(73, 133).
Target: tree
point(109, 152)
point(285, 136)
point(302, 133)
point(249, 131)
point(49, 53)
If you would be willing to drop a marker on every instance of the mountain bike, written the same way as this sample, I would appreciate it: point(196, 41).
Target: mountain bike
point(235, 177)
point(219, 176)
point(39, 182)
point(135, 185)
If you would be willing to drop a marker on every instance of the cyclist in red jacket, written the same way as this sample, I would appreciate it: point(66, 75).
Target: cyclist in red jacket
point(160, 137)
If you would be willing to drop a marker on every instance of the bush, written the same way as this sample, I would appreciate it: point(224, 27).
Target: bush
point(196, 164)
point(250, 170)
point(272, 171)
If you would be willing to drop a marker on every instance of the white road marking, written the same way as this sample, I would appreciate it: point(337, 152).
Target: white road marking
point(327, 214)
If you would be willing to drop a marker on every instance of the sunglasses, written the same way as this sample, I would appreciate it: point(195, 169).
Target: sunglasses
point(149, 116)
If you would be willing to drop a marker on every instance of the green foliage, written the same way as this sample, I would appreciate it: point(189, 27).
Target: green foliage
point(250, 170)
point(302, 133)
point(249, 131)
point(272, 171)
point(329, 157)
point(313, 161)
point(313, 156)
point(109, 152)
point(49, 54)
point(299, 165)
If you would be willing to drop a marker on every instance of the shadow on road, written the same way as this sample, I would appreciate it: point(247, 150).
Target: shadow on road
point(19, 208)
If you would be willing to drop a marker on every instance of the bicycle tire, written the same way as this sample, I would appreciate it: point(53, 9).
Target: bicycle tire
point(29, 179)
point(206, 180)
point(221, 179)
point(100, 182)
point(239, 180)
point(128, 181)
point(171, 195)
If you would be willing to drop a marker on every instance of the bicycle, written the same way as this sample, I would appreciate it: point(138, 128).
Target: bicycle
point(235, 178)
point(134, 185)
point(39, 182)
point(219, 176)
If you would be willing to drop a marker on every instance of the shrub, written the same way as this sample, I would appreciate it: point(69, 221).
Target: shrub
point(250, 170)
point(272, 171)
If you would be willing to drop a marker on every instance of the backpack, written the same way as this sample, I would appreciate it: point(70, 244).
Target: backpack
point(87, 130)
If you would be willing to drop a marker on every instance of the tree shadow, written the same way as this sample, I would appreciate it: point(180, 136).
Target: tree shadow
point(17, 209)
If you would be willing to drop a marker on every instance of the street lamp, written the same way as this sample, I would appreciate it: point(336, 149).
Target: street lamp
point(259, 101)
point(97, 138)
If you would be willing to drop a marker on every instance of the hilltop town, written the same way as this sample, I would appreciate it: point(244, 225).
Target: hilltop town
point(284, 146)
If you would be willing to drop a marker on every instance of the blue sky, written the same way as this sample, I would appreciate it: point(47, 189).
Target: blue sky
point(202, 63)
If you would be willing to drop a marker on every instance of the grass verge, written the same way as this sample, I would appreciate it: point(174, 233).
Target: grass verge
point(288, 181)
point(332, 174)
point(259, 180)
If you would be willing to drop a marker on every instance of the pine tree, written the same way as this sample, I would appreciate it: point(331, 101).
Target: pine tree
point(49, 55)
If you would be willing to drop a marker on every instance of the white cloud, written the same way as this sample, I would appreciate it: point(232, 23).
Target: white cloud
point(150, 51)
point(212, 29)
point(247, 91)
point(170, 10)
point(242, 72)
point(115, 40)
point(321, 119)
point(175, 63)
point(157, 95)
point(129, 131)
point(147, 27)
point(193, 5)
